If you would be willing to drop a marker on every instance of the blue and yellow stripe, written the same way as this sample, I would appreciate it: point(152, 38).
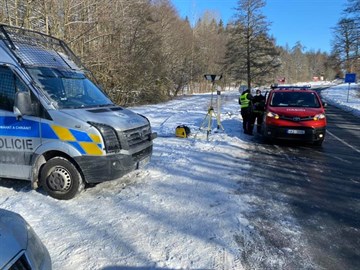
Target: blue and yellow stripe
point(87, 144)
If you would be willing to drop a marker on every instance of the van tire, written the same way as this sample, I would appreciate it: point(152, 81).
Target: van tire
point(61, 179)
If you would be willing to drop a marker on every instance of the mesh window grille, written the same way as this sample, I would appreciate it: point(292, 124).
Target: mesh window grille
point(37, 56)
point(9, 85)
point(37, 49)
point(7, 89)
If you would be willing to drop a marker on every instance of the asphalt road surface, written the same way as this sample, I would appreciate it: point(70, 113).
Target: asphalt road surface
point(309, 198)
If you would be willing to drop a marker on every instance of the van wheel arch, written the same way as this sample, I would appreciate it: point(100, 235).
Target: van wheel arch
point(51, 154)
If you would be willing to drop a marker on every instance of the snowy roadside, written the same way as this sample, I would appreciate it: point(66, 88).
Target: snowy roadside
point(185, 210)
point(345, 97)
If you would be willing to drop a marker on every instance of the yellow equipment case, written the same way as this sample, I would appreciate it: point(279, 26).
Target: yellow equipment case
point(182, 131)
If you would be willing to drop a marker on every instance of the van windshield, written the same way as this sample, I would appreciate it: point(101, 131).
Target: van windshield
point(295, 99)
point(69, 89)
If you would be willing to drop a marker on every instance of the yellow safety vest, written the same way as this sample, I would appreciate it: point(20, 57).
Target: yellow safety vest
point(245, 102)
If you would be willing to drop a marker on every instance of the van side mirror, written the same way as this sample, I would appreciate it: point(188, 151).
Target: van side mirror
point(324, 104)
point(22, 104)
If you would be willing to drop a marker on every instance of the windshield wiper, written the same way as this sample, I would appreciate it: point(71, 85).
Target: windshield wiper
point(106, 105)
point(92, 106)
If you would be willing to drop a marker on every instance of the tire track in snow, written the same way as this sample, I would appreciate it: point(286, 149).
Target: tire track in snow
point(296, 165)
point(274, 240)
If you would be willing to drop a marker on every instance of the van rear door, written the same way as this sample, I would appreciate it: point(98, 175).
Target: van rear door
point(19, 136)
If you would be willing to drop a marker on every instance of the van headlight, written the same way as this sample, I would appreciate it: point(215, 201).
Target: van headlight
point(110, 137)
point(272, 115)
point(319, 116)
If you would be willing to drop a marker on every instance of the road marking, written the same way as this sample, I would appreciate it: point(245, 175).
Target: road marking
point(332, 156)
point(352, 180)
point(341, 140)
point(342, 160)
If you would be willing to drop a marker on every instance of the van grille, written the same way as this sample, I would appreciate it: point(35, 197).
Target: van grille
point(296, 119)
point(135, 136)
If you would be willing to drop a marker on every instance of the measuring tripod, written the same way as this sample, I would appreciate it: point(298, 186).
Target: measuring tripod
point(207, 122)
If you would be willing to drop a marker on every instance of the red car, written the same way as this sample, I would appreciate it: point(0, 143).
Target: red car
point(294, 113)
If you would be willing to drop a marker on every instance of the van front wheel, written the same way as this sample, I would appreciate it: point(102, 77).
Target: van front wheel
point(61, 179)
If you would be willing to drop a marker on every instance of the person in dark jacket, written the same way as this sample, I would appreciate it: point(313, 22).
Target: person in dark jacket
point(245, 101)
point(258, 110)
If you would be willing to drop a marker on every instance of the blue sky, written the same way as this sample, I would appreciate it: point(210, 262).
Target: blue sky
point(307, 21)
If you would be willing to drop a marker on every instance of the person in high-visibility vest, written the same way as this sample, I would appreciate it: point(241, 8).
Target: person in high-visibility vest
point(245, 101)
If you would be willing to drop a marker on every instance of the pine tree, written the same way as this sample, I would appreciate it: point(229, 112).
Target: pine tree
point(251, 54)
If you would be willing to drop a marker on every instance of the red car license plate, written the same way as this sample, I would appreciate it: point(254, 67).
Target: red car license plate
point(295, 131)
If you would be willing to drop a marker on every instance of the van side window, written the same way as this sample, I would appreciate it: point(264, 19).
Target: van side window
point(9, 85)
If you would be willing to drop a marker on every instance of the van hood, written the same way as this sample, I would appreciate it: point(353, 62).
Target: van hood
point(114, 116)
point(296, 111)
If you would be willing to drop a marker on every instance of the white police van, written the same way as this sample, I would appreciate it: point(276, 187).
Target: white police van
point(57, 128)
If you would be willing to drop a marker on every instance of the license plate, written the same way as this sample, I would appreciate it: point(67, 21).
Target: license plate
point(295, 131)
point(143, 162)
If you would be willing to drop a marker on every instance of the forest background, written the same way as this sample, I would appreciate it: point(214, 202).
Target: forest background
point(142, 52)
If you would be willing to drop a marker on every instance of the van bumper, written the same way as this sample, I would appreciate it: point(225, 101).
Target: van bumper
point(97, 169)
point(306, 134)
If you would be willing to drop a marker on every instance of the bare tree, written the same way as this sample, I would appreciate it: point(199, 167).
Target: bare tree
point(176, 44)
point(210, 47)
point(345, 44)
